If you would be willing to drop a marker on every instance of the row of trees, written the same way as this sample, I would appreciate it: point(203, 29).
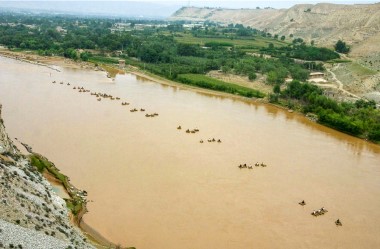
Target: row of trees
point(299, 50)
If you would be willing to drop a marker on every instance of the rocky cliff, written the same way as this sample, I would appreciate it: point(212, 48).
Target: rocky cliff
point(31, 213)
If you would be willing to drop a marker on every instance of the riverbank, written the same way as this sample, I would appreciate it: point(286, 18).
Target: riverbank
point(111, 71)
point(77, 201)
point(75, 198)
point(31, 214)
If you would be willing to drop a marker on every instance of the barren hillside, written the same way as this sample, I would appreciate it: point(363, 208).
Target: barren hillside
point(358, 25)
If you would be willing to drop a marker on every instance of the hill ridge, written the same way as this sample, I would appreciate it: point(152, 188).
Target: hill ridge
point(325, 23)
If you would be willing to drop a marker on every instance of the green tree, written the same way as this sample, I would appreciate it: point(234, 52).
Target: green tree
point(84, 56)
point(225, 69)
point(276, 89)
point(252, 76)
point(341, 47)
point(272, 77)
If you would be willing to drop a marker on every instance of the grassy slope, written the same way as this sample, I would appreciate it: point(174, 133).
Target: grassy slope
point(360, 70)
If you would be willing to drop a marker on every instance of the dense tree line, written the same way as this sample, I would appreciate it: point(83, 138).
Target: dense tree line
point(300, 50)
point(360, 118)
point(155, 47)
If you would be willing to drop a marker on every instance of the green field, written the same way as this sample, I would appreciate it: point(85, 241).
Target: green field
point(244, 43)
point(360, 70)
point(339, 61)
point(203, 81)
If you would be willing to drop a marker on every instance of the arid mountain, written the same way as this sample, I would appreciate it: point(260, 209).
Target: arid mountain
point(358, 25)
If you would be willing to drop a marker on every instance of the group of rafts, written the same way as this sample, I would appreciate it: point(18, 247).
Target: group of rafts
point(210, 140)
point(320, 212)
point(99, 97)
point(246, 166)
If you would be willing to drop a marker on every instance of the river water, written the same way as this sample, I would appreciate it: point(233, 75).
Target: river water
point(154, 186)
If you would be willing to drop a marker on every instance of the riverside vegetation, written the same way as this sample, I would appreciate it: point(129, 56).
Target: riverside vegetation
point(184, 55)
point(77, 203)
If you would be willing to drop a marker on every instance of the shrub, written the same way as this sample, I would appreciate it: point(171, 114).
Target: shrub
point(252, 76)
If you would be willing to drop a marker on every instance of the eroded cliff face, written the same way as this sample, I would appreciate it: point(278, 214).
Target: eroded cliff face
point(32, 215)
point(6, 145)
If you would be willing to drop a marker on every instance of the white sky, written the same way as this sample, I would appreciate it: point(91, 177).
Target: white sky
point(162, 8)
point(224, 3)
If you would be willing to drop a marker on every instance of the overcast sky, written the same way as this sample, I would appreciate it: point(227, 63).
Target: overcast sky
point(223, 3)
point(148, 8)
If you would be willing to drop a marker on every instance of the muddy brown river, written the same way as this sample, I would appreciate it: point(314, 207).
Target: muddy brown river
point(154, 186)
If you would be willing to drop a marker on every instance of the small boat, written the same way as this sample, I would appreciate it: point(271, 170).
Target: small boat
point(302, 203)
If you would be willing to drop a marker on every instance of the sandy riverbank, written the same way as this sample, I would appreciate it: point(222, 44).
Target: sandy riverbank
point(49, 61)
